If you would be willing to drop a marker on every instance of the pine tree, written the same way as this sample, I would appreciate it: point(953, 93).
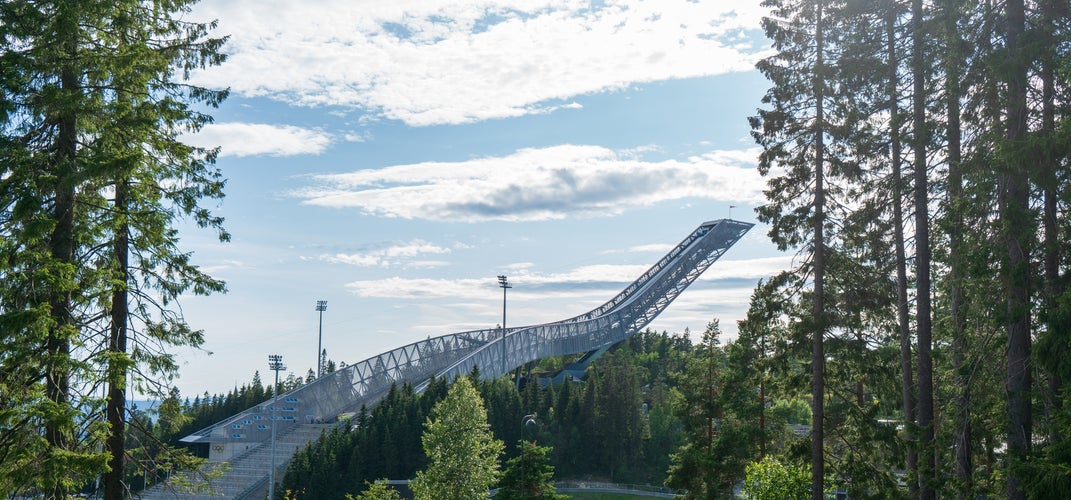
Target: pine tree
point(618, 421)
point(377, 491)
point(955, 228)
point(720, 439)
point(141, 157)
point(793, 135)
point(897, 195)
point(1017, 233)
point(87, 88)
point(529, 475)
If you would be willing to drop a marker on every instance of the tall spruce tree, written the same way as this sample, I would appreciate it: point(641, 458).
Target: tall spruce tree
point(898, 189)
point(1017, 232)
point(619, 413)
point(719, 414)
point(95, 99)
point(529, 475)
point(699, 409)
point(46, 110)
point(920, 139)
point(954, 227)
point(793, 134)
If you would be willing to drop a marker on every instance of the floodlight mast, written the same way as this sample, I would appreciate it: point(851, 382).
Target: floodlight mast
point(504, 283)
point(275, 362)
point(321, 306)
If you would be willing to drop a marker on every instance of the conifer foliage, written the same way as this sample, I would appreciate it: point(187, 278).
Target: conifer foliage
point(916, 158)
point(93, 181)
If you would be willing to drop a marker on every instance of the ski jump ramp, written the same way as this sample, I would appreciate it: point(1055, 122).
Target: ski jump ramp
point(493, 351)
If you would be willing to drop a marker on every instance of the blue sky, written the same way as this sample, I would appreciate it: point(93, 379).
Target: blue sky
point(393, 158)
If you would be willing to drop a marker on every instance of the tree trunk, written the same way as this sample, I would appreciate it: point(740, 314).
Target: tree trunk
point(961, 415)
point(762, 396)
point(61, 248)
point(903, 317)
point(1049, 216)
point(1016, 223)
point(927, 463)
point(116, 408)
point(818, 356)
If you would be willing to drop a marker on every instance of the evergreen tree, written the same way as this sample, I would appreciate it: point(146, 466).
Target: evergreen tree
point(93, 102)
point(377, 491)
point(619, 426)
point(1017, 231)
point(529, 475)
point(898, 189)
point(793, 134)
point(720, 420)
point(923, 312)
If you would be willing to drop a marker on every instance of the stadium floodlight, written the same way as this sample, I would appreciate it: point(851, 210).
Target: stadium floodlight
point(275, 362)
point(504, 283)
point(321, 306)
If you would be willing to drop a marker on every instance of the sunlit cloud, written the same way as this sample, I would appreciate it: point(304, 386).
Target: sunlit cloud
point(250, 139)
point(427, 62)
point(537, 184)
point(392, 255)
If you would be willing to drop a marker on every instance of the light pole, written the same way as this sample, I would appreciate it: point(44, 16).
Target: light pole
point(527, 421)
point(275, 362)
point(504, 283)
point(321, 305)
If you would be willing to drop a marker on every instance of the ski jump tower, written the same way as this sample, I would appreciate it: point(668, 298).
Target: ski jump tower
point(241, 439)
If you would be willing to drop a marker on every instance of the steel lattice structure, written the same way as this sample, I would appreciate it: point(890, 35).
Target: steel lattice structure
point(452, 355)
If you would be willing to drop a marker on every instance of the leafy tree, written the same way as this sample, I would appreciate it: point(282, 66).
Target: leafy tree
point(666, 438)
point(771, 479)
point(462, 453)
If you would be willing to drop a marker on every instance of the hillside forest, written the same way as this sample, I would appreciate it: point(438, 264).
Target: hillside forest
point(641, 415)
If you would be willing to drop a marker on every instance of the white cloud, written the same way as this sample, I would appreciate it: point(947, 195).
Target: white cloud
point(355, 137)
point(652, 247)
point(429, 62)
point(609, 278)
point(422, 288)
point(751, 269)
point(250, 139)
point(537, 184)
point(392, 255)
